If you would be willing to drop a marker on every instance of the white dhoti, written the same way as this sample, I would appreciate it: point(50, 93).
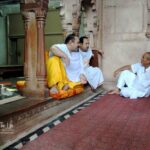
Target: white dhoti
point(127, 86)
point(94, 76)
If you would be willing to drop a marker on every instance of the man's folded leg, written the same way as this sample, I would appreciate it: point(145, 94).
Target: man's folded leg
point(57, 78)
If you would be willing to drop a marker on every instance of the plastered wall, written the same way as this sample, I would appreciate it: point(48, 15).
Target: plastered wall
point(124, 28)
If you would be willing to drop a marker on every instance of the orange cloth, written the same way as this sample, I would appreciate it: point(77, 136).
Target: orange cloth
point(20, 84)
point(68, 93)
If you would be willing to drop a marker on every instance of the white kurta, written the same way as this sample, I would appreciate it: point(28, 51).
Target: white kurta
point(75, 68)
point(93, 74)
point(137, 81)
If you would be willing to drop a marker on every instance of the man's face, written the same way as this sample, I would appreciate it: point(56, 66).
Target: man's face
point(85, 45)
point(75, 44)
point(145, 60)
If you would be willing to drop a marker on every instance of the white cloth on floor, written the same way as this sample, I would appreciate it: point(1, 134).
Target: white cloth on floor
point(137, 82)
point(93, 74)
point(75, 68)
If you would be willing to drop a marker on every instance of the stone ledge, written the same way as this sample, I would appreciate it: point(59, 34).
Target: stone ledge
point(26, 118)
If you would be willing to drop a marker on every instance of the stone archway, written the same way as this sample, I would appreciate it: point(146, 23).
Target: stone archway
point(82, 12)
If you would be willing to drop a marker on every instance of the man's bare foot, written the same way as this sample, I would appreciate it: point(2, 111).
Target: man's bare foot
point(101, 84)
point(83, 79)
point(115, 91)
point(54, 90)
point(93, 90)
point(65, 87)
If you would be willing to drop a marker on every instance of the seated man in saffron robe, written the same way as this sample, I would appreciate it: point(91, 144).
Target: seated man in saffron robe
point(134, 80)
point(65, 67)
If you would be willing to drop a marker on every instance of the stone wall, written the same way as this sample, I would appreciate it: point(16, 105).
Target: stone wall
point(79, 14)
point(124, 33)
point(120, 28)
point(70, 14)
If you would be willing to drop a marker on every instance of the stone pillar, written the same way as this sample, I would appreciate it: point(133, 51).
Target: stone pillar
point(34, 13)
point(41, 69)
point(26, 18)
point(30, 53)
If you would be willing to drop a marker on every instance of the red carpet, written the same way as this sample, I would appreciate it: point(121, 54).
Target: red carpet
point(111, 123)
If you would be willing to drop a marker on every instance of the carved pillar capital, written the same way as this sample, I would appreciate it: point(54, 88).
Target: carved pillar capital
point(26, 18)
point(40, 13)
point(40, 18)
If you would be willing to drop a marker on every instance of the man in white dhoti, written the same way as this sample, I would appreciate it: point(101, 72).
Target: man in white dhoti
point(93, 75)
point(134, 80)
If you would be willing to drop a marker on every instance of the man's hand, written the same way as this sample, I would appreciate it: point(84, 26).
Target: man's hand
point(102, 52)
point(127, 67)
point(86, 62)
point(83, 79)
point(99, 51)
point(116, 73)
point(66, 60)
point(58, 52)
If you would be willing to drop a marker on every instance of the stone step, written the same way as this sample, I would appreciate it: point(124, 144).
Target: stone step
point(25, 115)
